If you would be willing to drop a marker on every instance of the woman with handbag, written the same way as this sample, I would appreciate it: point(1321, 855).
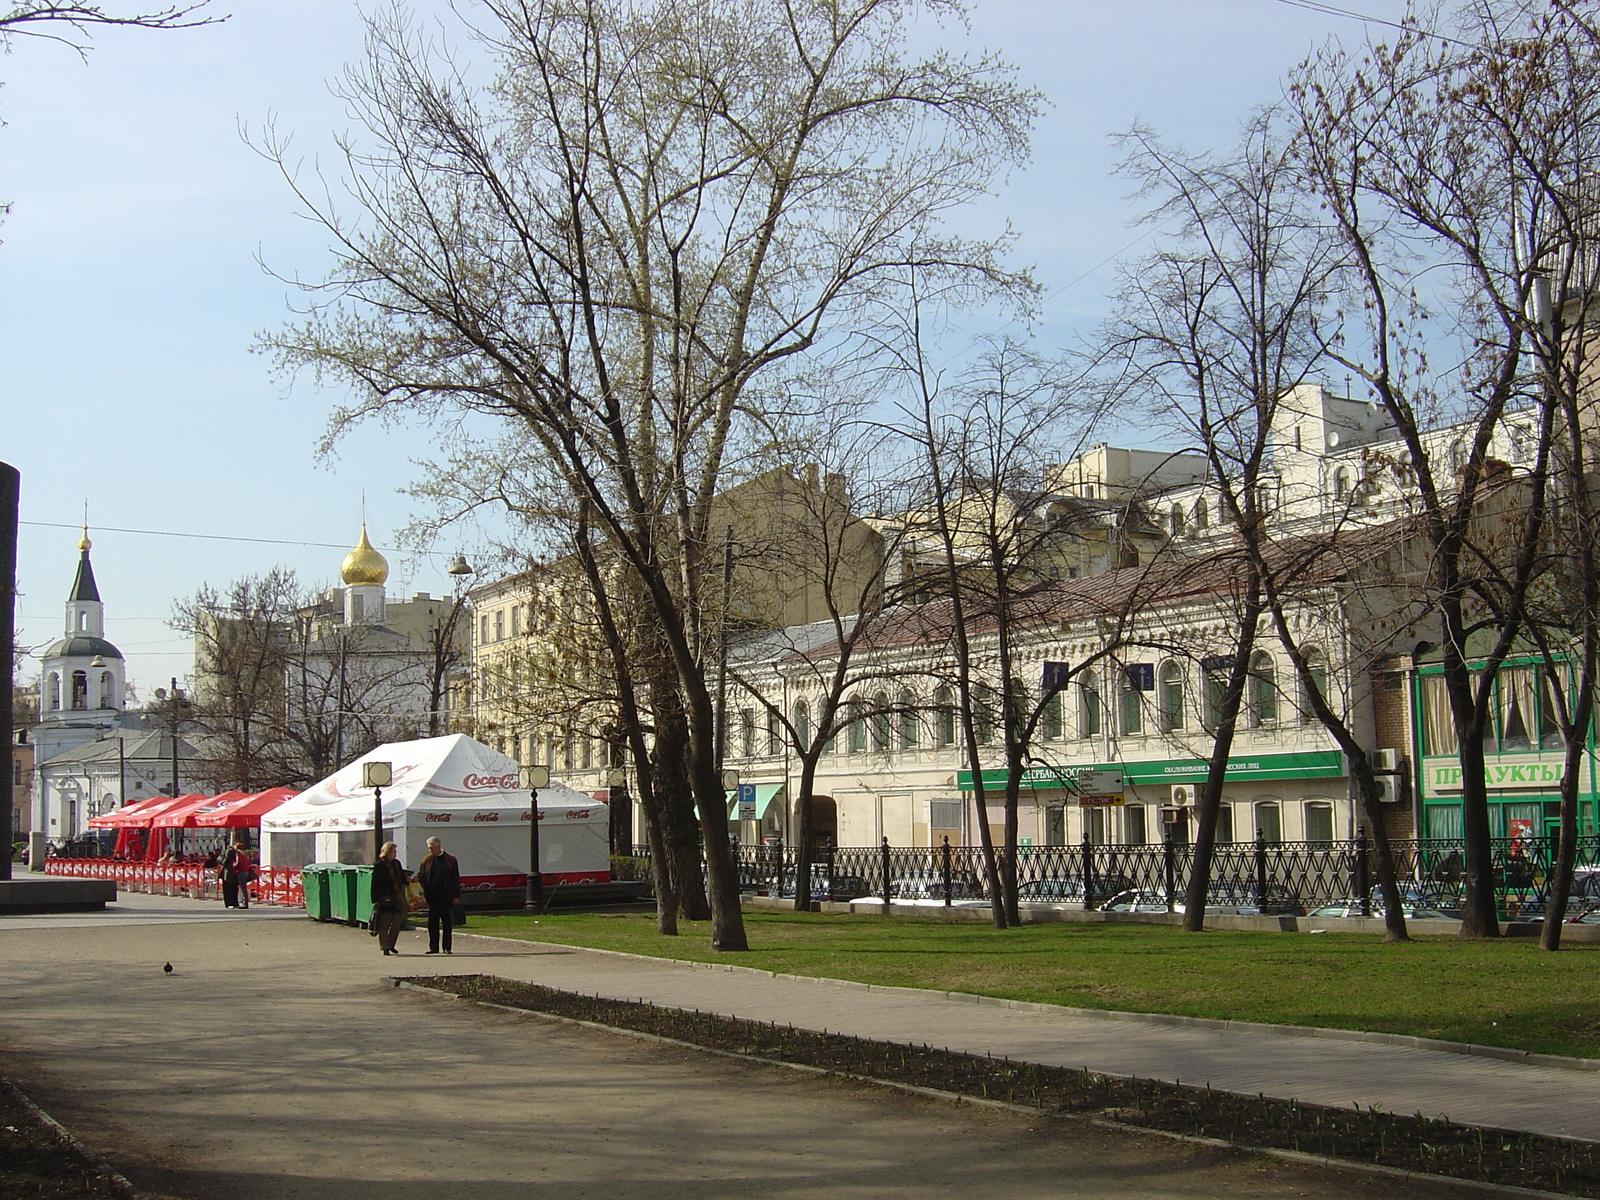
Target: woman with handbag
point(388, 898)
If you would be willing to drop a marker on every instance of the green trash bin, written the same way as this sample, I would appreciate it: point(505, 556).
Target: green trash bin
point(315, 881)
point(361, 899)
point(343, 886)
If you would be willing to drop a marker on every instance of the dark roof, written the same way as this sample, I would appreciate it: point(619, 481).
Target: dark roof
point(81, 645)
point(83, 585)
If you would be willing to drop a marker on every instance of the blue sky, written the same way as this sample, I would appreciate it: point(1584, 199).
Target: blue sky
point(130, 291)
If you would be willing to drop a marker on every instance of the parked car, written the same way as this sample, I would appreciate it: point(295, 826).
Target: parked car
point(1070, 890)
point(929, 885)
point(1352, 908)
point(1220, 903)
point(824, 886)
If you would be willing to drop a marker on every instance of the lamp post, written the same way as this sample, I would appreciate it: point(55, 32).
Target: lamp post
point(534, 778)
point(619, 816)
point(377, 776)
point(443, 640)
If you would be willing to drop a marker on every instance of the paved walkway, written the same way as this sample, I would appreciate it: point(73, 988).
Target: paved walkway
point(277, 1062)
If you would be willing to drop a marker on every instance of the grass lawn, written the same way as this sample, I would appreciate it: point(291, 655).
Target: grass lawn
point(1503, 993)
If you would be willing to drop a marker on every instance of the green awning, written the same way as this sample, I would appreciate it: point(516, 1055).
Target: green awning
point(766, 793)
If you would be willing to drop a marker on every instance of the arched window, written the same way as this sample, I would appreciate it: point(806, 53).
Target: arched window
point(858, 727)
point(909, 733)
point(1317, 668)
point(1341, 483)
point(1171, 697)
point(1132, 701)
point(107, 698)
point(1051, 723)
point(1269, 821)
point(53, 691)
point(1216, 691)
point(80, 689)
point(1263, 689)
point(1177, 518)
point(1202, 518)
point(1089, 705)
point(802, 724)
point(880, 722)
point(83, 622)
point(983, 698)
point(747, 732)
point(945, 702)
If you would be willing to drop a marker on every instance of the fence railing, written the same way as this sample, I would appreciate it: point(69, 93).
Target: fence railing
point(1273, 877)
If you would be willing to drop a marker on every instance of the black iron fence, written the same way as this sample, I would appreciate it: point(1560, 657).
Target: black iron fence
point(1269, 877)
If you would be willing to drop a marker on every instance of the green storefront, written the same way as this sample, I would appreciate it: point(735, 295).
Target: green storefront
point(1523, 756)
point(1160, 772)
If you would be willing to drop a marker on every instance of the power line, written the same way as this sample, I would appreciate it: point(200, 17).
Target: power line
point(210, 537)
point(1325, 9)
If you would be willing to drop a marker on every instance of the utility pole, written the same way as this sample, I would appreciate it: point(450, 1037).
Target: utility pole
point(10, 487)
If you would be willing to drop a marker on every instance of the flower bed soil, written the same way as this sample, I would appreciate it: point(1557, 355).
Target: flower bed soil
point(1414, 1143)
point(38, 1163)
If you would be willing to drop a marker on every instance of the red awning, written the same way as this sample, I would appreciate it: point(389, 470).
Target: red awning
point(242, 811)
point(138, 813)
point(182, 816)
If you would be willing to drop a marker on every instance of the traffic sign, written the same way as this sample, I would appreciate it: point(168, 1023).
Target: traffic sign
point(747, 801)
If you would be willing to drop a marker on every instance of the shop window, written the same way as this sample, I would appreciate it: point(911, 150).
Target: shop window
point(1518, 710)
point(1438, 726)
point(1175, 821)
point(1550, 683)
point(1319, 822)
point(1095, 823)
point(1055, 826)
point(1269, 821)
point(1133, 825)
point(1224, 823)
point(1444, 821)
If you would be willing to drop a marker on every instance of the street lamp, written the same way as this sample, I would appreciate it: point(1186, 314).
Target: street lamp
point(377, 776)
point(534, 778)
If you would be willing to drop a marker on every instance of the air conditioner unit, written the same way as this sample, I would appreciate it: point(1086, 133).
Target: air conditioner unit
point(1388, 790)
point(1386, 760)
point(1182, 794)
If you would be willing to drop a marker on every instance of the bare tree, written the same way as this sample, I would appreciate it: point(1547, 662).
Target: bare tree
point(656, 207)
point(73, 24)
point(1435, 158)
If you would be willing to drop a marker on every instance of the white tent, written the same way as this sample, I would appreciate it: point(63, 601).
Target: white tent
point(457, 789)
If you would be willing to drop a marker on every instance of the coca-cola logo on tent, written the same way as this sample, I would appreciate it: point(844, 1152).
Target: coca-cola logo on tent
point(490, 816)
point(577, 814)
point(493, 783)
point(441, 818)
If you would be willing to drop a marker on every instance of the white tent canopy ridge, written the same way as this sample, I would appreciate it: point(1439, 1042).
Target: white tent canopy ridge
point(453, 788)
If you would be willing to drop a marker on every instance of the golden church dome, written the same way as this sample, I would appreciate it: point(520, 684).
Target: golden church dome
point(364, 565)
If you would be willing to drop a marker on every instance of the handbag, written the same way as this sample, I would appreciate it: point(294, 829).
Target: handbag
point(415, 900)
point(372, 922)
point(458, 914)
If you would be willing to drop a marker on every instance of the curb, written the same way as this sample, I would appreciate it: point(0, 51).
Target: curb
point(1407, 1041)
point(118, 1181)
point(1299, 1158)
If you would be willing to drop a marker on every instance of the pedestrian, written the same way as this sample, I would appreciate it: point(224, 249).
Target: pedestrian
point(388, 898)
point(235, 872)
point(440, 876)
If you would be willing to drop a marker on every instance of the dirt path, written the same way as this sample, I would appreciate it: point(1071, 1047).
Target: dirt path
point(278, 1062)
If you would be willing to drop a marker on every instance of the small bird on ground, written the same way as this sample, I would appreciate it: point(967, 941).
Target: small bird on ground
point(167, 968)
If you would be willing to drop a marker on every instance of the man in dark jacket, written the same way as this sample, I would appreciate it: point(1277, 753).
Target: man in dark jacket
point(440, 877)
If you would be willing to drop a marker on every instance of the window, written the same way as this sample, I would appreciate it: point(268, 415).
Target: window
point(1095, 823)
point(880, 722)
point(1133, 825)
point(499, 624)
point(802, 725)
point(53, 691)
point(1202, 518)
point(586, 743)
point(909, 733)
point(1263, 689)
point(516, 619)
point(983, 698)
point(1051, 723)
point(774, 734)
point(1341, 484)
point(358, 606)
point(1317, 668)
point(1171, 697)
point(1225, 823)
point(107, 699)
point(1132, 706)
point(858, 727)
point(1438, 726)
point(1319, 822)
point(1216, 681)
point(483, 628)
point(1089, 706)
point(1549, 713)
point(1269, 821)
point(945, 702)
point(1055, 826)
point(1177, 519)
point(80, 689)
point(747, 733)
